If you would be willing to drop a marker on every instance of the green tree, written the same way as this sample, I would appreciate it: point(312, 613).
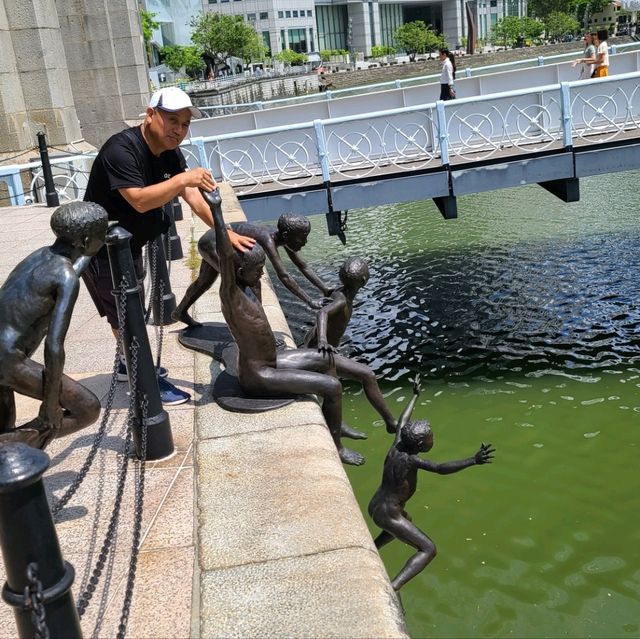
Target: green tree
point(558, 24)
point(416, 37)
point(193, 62)
point(291, 58)
point(381, 51)
point(221, 36)
point(530, 28)
point(506, 31)
point(149, 25)
point(173, 57)
point(254, 48)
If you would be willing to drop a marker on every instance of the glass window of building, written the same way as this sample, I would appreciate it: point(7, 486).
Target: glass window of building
point(287, 14)
point(283, 40)
point(281, 14)
point(295, 14)
point(331, 22)
point(212, 1)
point(266, 38)
point(264, 15)
point(251, 17)
point(494, 3)
point(298, 40)
point(309, 13)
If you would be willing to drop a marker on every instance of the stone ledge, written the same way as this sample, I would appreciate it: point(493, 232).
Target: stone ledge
point(283, 549)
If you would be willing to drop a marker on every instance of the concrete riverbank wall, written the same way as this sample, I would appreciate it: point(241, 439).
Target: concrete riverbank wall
point(282, 547)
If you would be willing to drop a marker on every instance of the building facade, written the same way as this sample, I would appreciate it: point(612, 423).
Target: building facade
point(357, 25)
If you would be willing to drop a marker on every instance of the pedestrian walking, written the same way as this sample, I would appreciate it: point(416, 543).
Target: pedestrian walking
point(448, 75)
point(586, 69)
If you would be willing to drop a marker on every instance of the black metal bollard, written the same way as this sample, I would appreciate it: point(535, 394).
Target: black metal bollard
point(176, 208)
point(28, 536)
point(159, 438)
point(49, 186)
point(172, 244)
point(163, 301)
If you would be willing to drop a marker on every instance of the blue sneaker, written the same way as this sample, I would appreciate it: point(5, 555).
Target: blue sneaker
point(170, 395)
point(121, 373)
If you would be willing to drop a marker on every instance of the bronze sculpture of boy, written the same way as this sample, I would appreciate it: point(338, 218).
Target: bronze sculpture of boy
point(36, 303)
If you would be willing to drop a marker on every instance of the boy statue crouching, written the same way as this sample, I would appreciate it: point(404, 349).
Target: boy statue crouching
point(36, 302)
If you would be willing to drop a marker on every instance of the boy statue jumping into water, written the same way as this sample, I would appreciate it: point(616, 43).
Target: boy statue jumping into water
point(291, 233)
point(37, 300)
point(264, 372)
point(399, 480)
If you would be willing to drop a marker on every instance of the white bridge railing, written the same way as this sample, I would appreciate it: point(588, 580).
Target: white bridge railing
point(424, 136)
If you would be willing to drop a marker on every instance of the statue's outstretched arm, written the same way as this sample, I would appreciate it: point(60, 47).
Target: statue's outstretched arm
point(407, 412)
point(483, 456)
point(224, 249)
point(308, 272)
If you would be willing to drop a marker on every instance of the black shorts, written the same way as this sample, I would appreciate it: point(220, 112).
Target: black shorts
point(97, 277)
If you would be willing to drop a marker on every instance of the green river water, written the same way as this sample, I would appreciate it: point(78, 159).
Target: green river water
point(523, 318)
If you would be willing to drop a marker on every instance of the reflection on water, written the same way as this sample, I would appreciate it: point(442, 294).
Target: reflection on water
point(522, 317)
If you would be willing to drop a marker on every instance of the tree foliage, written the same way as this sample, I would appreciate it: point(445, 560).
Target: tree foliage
point(544, 8)
point(149, 25)
point(507, 31)
point(290, 58)
point(417, 37)
point(381, 51)
point(222, 36)
point(176, 57)
point(558, 24)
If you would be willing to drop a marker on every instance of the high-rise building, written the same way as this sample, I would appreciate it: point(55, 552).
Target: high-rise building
point(357, 25)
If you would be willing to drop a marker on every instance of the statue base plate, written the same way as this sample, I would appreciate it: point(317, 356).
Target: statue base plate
point(215, 339)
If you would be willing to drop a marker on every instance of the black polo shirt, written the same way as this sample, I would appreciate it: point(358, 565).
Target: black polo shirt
point(124, 162)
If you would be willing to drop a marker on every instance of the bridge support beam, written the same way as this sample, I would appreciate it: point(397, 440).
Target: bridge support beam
point(568, 189)
point(448, 206)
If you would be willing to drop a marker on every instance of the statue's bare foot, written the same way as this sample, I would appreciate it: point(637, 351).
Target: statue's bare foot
point(349, 456)
point(352, 433)
point(184, 317)
point(31, 433)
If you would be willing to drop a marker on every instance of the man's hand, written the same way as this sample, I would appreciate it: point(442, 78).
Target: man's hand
point(485, 454)
point(199, 178)
point(239, 242)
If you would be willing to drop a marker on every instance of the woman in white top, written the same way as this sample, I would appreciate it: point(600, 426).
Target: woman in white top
point(448, 75)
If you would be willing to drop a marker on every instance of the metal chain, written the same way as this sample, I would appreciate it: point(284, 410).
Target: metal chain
point(152, 257)
point(33, 601)
point(107, 545)
point(80, 476)
point(137, 523)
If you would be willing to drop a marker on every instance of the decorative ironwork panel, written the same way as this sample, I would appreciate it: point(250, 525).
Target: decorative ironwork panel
point(520, 124)
point(404, 140)
point(604, 110)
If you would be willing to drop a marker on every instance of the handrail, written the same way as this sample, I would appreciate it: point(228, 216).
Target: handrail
point(395, 84)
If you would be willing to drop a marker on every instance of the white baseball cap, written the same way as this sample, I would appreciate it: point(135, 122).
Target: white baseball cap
point(173, 99)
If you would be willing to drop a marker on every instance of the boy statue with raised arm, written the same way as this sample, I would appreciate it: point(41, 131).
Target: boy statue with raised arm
point(264, 372)
point(399, 480)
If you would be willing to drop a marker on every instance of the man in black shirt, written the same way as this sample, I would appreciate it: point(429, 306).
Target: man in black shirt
point(136, 172)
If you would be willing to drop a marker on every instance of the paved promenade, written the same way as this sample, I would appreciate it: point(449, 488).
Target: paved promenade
point(249, 530)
